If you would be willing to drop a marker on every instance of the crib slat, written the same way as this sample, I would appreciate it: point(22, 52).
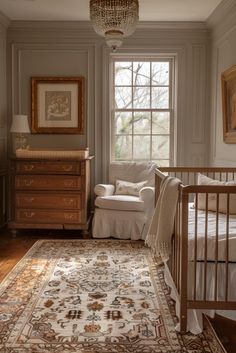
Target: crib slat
point(195, 246)
point(175, 260)
point(188, 174)
point(184, 264)
point(178, 251)
point(216, 246)
point(205, 253)
point(227, 251)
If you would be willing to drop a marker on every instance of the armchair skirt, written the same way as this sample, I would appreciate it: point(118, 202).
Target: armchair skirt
point(119, 224)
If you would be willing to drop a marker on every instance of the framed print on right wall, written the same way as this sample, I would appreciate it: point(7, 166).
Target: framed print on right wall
point(228, 80)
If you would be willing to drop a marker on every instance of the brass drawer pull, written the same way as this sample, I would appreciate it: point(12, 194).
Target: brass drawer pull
point(69, 216)
point(28, 168)
point(69, 183)
point(29, 214)
point(29, 199)
point(28, 182)
point(67, 168)
point(68, 202)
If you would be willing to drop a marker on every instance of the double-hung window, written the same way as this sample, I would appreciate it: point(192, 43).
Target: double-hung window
point(142, 126)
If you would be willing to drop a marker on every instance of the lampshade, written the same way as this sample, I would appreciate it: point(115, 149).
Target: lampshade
point(20, 124)
point(114, 19)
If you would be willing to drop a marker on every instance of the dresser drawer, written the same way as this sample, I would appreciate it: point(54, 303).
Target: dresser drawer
point(48, 201)
point(45, 182)
point(48, 167)
point(46, 216)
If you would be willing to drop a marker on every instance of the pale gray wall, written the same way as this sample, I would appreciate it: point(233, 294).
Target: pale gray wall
point(73, 49)
point(223, 25)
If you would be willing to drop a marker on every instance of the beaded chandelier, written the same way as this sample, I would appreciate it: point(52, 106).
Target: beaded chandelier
point(114, 19)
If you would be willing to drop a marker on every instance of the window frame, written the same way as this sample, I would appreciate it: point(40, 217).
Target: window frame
point(172, 104)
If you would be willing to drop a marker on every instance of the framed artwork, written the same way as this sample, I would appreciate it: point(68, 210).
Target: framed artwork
point(57, 105)
point(228, 80)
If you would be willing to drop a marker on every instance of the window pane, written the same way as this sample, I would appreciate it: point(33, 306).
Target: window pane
point(141, 74)
point(160, 73)
point(161, 123)
point(123, 97)
point(141, 147)
point(123, 123)
point(123, 147)
point(160, 97)
point(141, 98)
point(123, 73)
point(142, 123)
point(160, 147)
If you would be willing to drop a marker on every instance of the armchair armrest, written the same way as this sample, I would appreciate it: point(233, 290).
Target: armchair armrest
point(104, 189)
point(147, 195)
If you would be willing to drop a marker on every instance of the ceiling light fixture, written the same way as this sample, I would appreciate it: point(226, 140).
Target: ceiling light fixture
point(114, 19)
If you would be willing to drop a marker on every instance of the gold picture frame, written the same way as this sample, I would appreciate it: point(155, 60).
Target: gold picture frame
point(228, 80)
point(57, 105)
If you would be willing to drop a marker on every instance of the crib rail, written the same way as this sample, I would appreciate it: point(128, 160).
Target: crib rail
point(197, 266)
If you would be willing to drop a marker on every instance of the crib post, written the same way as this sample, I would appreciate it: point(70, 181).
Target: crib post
point(184, 262)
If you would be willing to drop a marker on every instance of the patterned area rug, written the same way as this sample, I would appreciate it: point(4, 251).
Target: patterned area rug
point(91, 296)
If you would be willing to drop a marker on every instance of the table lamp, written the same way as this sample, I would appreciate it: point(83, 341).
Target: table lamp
point(20, 126)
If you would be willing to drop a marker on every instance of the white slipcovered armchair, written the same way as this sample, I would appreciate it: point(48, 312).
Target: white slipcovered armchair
point(124, 207)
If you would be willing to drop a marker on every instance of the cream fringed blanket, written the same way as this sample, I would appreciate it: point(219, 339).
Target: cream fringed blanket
point(162, 224)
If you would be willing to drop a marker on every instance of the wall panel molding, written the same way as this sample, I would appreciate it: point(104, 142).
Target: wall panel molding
point(199, 93)
point(20, 102)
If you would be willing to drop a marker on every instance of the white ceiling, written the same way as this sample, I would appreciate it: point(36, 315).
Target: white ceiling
point(78, 10)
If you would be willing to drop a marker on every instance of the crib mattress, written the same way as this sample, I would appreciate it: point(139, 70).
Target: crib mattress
point(211, 236)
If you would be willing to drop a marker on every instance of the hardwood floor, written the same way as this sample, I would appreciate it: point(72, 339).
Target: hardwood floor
point(13, 249)
point(226, 331)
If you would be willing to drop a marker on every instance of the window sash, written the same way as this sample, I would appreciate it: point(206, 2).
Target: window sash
point(150, 110)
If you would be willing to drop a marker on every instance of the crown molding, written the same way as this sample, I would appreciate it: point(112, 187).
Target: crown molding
point(44, 25)
point(4, 20)
point(85, 25)
point(188, 25)
point(222, 10)
point(84, 29)
point(223, 18)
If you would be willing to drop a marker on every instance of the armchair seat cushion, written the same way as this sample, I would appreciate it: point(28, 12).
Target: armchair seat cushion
point(120, 202)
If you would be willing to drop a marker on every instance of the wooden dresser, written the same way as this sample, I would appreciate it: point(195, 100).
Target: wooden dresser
point(53, 194)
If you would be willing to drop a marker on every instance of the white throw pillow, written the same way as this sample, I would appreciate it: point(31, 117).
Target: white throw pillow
point(212, 198)
point(127, 188)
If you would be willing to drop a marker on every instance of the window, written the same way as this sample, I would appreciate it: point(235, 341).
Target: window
point(142, 115)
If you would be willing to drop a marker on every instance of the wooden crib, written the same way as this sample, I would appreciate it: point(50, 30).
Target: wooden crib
point(197, 262)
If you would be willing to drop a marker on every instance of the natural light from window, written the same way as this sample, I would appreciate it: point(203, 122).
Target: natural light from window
point(142, 114)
